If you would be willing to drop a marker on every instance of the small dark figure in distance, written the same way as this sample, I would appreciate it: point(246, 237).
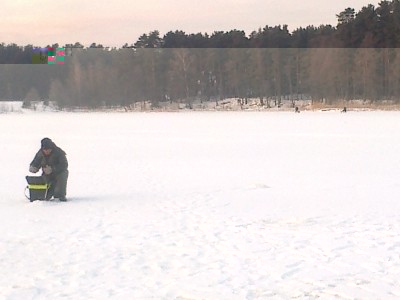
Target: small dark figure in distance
point(53, 162)
point(296, 109)
point(344, 110)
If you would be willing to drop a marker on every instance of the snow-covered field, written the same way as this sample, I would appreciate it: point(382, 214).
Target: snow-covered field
point(205, 205)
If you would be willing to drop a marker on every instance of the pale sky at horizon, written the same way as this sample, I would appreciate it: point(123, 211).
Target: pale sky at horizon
point(114, 23)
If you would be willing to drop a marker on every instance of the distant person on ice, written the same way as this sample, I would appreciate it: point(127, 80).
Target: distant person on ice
point(53, 162)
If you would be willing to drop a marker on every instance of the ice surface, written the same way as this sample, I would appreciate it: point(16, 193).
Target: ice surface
point(205, 205)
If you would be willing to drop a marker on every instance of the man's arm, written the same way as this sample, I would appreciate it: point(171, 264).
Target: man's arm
point(35, 164)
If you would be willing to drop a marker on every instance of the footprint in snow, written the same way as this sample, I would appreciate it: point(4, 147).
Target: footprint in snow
point(257, 186)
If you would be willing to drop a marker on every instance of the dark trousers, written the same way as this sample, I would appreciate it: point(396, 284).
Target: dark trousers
point(58, 185)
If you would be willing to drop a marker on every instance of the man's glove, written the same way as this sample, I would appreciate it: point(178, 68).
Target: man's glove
point(33, 169)
point(47, 170)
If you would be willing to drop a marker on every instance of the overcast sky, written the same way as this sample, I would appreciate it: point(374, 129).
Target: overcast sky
point(115, 22)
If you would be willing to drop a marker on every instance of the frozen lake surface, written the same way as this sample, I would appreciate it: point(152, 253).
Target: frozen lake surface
point(205, 205)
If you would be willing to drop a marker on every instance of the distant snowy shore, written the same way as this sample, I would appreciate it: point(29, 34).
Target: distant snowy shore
point(233, 104)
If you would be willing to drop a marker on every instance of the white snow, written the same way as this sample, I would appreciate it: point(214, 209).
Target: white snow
point(205, 205)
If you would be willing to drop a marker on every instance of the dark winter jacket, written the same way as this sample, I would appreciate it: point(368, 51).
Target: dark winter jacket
point(57, 160)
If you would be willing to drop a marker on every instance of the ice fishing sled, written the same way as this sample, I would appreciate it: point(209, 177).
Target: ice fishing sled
point(37, 188)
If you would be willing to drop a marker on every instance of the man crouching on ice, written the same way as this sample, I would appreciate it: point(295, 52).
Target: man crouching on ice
point(54, 164)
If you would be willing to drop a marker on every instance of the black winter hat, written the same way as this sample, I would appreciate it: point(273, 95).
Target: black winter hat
point(47, 143)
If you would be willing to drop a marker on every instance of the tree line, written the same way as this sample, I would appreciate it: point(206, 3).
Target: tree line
point(370, 27)
point(121, 77)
